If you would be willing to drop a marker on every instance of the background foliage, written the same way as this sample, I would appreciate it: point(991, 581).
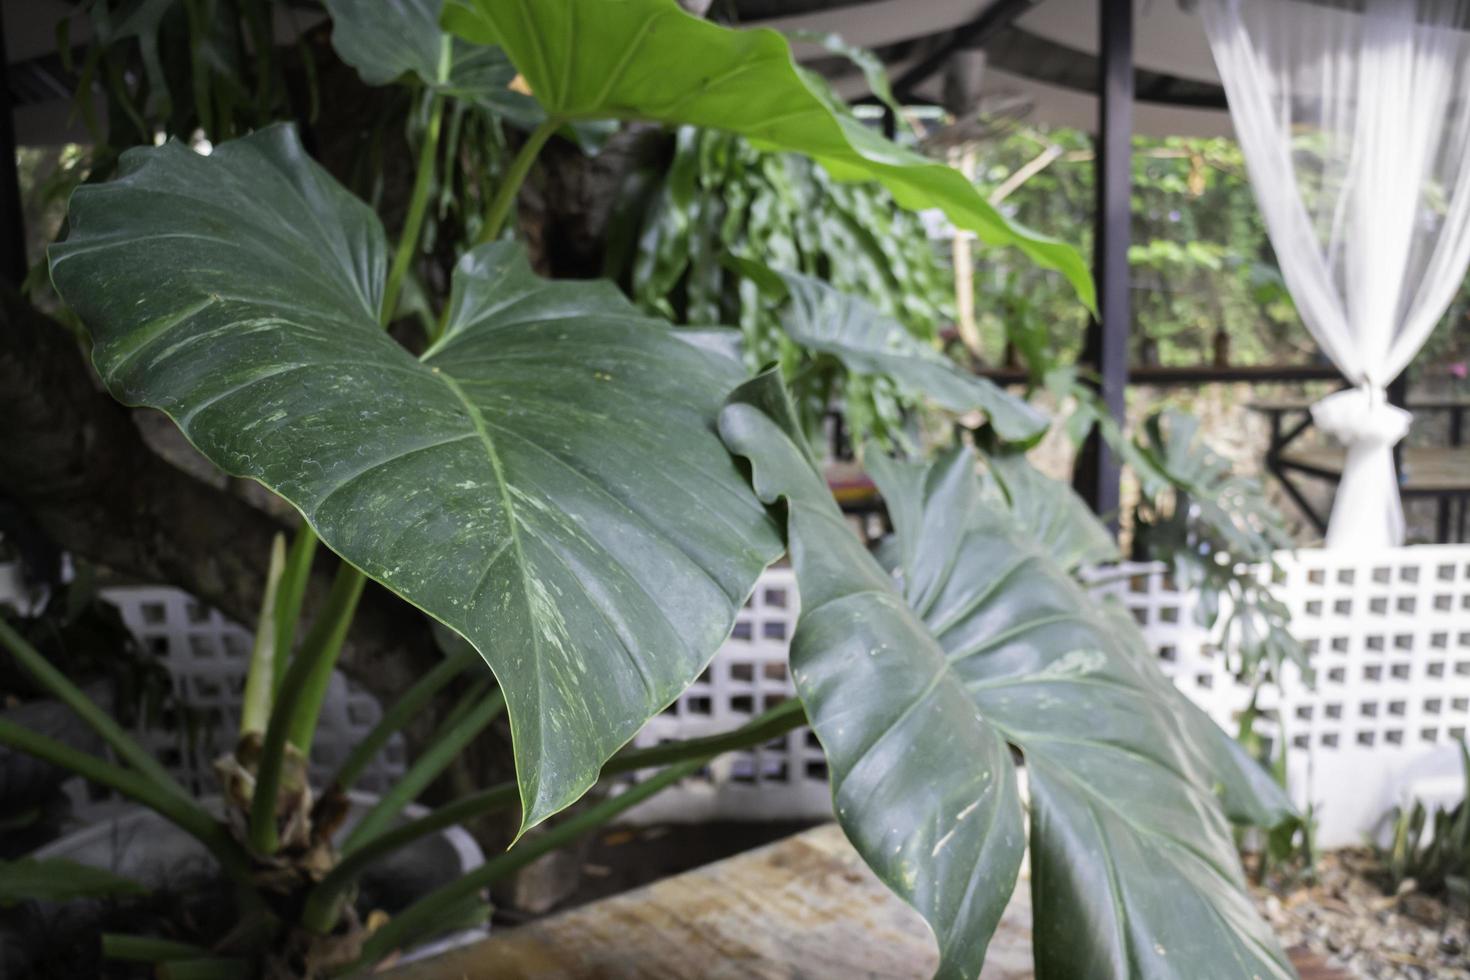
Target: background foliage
point(712, 200)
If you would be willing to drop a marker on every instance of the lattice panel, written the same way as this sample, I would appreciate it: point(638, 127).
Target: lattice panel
point(1388, 631)
point(207, 656)
point(1391, 641)
point(786, 778)
point(1389, 636)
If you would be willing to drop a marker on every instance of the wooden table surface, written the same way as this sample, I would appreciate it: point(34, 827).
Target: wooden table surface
point(1268, 405)
point(805, 907)
point(1427, 469)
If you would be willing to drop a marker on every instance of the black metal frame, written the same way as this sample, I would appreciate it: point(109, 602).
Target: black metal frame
point(1453, 511)
point(1021, 52)
point(991, 21)
point(1172, 376)
point(1098, 474)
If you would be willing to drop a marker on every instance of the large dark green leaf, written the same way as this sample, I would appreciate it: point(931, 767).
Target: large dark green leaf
point(386, 41)
point(546, 479)
point(648, 59)
point(1054, 517)
point(1051, 513)
point(1134, 869)
point(1133, 864)
point(824, 319)
point(922, 784)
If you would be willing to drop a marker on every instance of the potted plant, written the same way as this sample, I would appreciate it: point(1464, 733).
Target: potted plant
point(587, 495)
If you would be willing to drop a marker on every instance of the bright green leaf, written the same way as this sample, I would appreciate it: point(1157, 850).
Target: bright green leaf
point(648, 59)
point(385, 41)
point(546, 479)
point(875, 73)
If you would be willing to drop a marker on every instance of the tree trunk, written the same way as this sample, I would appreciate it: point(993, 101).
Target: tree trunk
point(74, 461)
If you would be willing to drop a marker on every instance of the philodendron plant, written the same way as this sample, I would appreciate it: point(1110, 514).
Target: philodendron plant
point(587, 496)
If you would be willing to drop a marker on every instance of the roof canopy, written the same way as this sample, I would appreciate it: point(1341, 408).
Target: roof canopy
point(953, 52)
point(1044, 51)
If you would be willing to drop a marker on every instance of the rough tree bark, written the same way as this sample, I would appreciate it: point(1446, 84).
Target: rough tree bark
point(76, 464)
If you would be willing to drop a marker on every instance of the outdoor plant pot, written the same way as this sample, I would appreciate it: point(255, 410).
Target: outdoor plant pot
point(139, 844)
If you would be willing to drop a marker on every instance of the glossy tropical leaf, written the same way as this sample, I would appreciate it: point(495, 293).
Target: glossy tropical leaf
point(722, 341)
point(59, 880)
point(823, 319)
point(385, 41)
point(923, 785)
point(545, 479)
point(1233, 512)
point(875, 73)
point(1051, 513)
point(719, 197)
point(1134, 869)
point(1248, 792)
point(648, 59)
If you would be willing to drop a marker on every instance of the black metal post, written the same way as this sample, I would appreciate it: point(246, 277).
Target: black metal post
point(1097, 473)
point(13, 264)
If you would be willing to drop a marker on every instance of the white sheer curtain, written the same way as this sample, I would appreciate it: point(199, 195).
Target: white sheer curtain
point(1354, 117)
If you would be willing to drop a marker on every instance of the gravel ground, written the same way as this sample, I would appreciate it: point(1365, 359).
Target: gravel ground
point(1346, 918)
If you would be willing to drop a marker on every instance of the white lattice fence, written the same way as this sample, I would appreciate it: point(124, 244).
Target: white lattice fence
point(1389, 636)
point(786, 778)
point(206, 654)
point(1389, 633)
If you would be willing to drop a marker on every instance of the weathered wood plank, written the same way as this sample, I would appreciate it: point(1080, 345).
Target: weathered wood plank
point(805, 908)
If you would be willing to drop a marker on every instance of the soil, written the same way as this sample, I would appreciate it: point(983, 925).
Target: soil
point(1345, 917)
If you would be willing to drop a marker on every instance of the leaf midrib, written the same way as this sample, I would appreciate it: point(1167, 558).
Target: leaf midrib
point(1099, 799)
point(512, 520)
point(1093, 799)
